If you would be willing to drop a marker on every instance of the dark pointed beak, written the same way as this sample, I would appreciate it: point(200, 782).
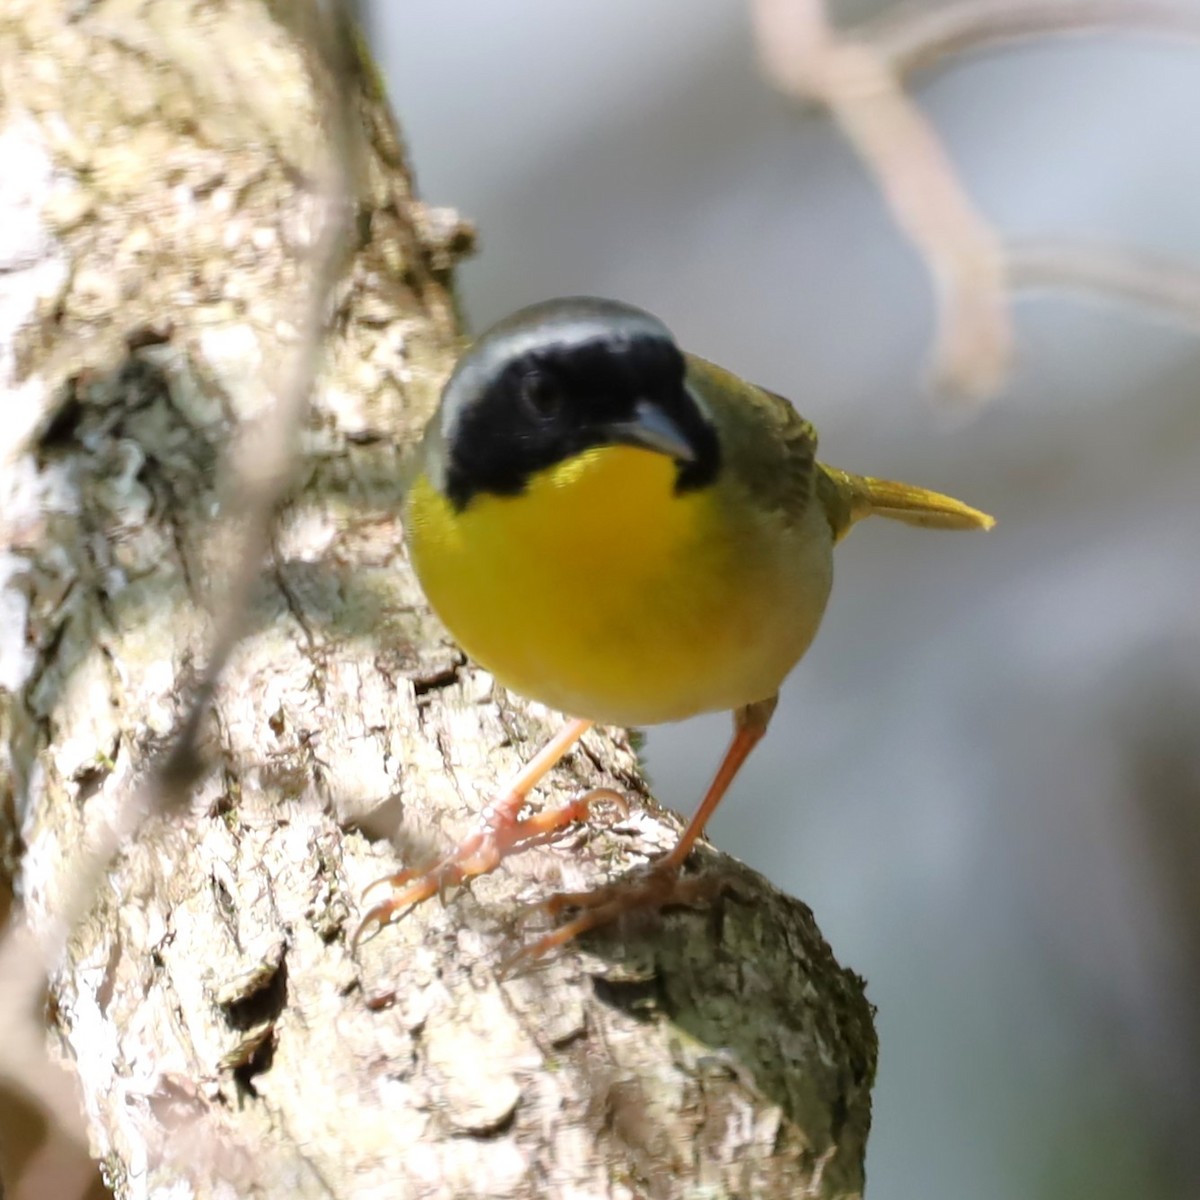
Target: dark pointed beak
point(652, 429)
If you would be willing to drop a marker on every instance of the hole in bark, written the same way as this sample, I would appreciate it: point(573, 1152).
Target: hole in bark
point(641, 998)
point(60, 432)
point(839, 1110)
point(255, 1015)
point(142, 336)
point(435, 679)
point(261, 1006)
point(258, 1063)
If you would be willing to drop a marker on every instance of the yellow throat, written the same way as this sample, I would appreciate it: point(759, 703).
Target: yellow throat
point(604, 593)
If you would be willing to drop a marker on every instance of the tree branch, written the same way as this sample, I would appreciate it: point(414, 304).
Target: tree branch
point(221, 1031)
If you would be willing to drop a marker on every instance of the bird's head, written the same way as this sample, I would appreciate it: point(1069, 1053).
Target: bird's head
point(558, 379)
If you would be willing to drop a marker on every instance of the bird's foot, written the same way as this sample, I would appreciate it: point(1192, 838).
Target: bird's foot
point(501, 832)
point(661, 886)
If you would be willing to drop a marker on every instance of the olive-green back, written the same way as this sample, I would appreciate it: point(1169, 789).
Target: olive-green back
point(767, 446)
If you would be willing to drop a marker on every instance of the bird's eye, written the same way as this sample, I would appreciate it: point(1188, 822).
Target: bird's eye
point(540, 395)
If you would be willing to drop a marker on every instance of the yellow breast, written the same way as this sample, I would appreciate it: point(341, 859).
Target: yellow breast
point(601, 592)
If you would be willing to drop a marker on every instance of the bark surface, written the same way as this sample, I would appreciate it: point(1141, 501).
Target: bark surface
point(157, 212)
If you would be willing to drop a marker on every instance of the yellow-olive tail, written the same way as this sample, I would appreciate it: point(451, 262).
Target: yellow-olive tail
point(848, 498)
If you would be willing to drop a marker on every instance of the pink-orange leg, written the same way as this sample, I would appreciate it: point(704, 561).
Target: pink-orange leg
point(662, 885)
point(501, 831)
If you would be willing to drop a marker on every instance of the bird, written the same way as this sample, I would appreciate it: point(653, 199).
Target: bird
point(631, 535)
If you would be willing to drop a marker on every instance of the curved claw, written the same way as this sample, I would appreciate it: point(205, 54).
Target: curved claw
point(397, 907)
point(602, 914)
point(392, 881)
point(554, 820)
point(659, 887)
point(589, 800)
point(373, 923)
point(561, 902)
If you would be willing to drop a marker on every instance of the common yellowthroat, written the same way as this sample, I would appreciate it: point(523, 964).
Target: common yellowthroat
point(629, 534)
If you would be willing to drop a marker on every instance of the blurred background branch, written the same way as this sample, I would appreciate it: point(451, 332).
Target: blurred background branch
point(1155, 282)
point(919, 37)
point(805, 57)
point(859, 76)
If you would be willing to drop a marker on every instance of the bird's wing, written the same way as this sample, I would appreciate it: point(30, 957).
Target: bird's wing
point(770, 448)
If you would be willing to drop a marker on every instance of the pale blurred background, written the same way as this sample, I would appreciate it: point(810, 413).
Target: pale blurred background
point(985, 776)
